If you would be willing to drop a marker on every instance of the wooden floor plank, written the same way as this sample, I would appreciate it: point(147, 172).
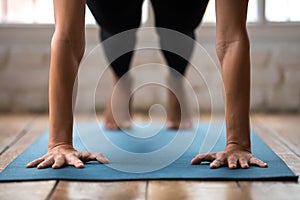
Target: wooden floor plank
point(38, 190)
point(273, 190)
point(286, 127)
point(25, 190)
point(32, 133)
point(100, 190)
point(190, 190)
point(274, 140)
point(11, 127)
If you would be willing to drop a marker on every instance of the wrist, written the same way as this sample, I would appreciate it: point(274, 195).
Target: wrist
point(52, 146)
point(238, 146)
point(59, 137)
point(238, 133)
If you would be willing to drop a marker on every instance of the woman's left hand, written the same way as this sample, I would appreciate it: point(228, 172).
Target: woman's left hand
point(232, 156)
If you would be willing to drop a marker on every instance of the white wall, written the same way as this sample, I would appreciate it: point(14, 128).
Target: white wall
point(25, 55)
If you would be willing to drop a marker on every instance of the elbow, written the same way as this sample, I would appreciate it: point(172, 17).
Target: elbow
point(234, 43)
point(68, 43)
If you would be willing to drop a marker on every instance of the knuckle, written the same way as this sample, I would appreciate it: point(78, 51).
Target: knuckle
point(222, 156)
point(100, 154)
point(71, 160)
point(218, 162)
point(59, 156)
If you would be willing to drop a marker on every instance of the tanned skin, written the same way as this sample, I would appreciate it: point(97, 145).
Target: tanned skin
point(233, 50)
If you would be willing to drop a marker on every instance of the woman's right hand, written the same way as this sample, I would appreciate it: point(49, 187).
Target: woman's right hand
point(63, 155)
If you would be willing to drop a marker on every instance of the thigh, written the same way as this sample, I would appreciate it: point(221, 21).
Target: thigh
point(181, 15)
point(116, 15)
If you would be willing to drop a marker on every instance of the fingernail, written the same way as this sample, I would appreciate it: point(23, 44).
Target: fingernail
point(106, 161)
point(80, 164)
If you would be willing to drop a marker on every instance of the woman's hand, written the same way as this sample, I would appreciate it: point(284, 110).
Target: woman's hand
point(232, 156)
point(62, 155)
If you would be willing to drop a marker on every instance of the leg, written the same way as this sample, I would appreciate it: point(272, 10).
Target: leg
point(115, 17)
point(177, 112)
point(184, 17)
point(120, 67)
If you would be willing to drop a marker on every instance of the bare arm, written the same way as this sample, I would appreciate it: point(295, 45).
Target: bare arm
point(67, 49)
point(233, 50)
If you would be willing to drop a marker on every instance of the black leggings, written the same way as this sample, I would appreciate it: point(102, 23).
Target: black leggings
point(115, 16)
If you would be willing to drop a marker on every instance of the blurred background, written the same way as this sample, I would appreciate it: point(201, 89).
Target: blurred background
point(26, 27)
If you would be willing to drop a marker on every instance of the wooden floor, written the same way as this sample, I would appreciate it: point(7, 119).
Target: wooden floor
point(280, 132)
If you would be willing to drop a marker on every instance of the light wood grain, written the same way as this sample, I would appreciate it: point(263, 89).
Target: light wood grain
point(273, 139)
point(31, 134)
point(264, 126)
point(271, 190)
point(286, 128)
point(25, 190)
point(12, 128)
point(100, 190)
point(190, 190)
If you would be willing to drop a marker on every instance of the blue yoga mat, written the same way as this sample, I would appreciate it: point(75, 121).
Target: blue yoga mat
point(147, 152)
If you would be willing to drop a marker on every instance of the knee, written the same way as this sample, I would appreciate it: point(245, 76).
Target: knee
point(171, 33)
point(116, 25)
point(125, 34)
point(178, 39)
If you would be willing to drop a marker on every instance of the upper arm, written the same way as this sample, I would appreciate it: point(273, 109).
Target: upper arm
point(231, 19)
point(69, 17)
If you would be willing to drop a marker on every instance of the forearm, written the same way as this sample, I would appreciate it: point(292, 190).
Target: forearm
point(235, 61)
point(233, 50)
point(67, 48)
point(63, 71)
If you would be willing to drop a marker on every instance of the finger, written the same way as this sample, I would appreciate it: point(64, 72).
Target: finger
point(87, 156)
point(46, 163)
point(216, 164)
point(232, 162)
point(243, 163)
point(257, 162)
point(59, 161)
point(101, 158)
point(203, 157)
point(76, 162)
point(84, 156)
point(35, 162)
